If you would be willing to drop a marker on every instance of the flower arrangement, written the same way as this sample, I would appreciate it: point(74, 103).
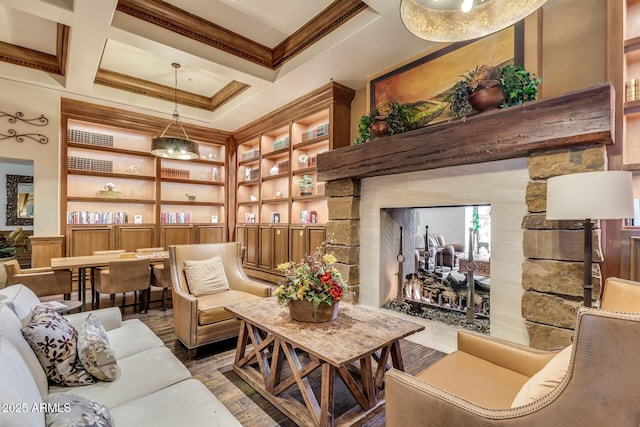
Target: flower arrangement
point(314, 279)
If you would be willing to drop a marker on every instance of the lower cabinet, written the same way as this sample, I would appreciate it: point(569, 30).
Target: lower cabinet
point(304, 239)
point(132, 238)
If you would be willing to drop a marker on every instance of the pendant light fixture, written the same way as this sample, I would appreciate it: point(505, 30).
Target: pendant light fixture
point(459, 20)
point(178, 146)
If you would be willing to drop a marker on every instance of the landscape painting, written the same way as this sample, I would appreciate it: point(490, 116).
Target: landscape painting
point(424, 83)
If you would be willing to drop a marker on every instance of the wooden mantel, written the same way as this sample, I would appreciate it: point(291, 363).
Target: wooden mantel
point(576, 118)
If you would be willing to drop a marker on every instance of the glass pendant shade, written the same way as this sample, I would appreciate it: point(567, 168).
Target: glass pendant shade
point(179, 146)
point(458, 20)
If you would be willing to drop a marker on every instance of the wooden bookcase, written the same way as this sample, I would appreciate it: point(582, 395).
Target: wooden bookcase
point(274, 222)
point(149, 205)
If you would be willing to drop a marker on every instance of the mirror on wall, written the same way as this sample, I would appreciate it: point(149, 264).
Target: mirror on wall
point(20, 201)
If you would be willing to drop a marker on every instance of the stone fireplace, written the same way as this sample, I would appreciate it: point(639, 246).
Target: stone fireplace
point(480, 161)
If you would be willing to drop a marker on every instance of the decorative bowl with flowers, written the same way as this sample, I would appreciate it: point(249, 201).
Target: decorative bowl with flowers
point(315, 280)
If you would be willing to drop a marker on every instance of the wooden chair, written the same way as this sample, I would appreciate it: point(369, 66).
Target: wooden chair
point(122, 276)
point(42, 281)
point(94, 271)
point(161, 279)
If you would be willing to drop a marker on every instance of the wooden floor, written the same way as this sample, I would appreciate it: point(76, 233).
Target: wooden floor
point(213, 366)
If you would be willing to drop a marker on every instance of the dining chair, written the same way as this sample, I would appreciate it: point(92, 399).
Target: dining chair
point(161, 279)
point(42, 281)
point(122, 276)
point(94, 271)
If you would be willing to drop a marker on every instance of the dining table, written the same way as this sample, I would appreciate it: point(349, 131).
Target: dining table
point(87, 262)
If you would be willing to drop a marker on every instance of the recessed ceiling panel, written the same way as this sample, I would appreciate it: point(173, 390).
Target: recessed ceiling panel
point(145, 65)
point(26, 30)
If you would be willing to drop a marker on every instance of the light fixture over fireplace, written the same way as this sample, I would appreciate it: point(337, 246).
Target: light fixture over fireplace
point(178, 146)
point(458, 20)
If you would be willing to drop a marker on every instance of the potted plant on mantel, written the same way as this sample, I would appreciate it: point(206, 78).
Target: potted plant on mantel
point(487, 87)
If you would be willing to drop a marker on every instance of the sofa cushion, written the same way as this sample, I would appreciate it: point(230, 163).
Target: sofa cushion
point(10, 329)
point(198, 407)
point(94, 350)
point(76, 411)
point(54, 341)
point(211, 307)
point(138, 375)
point(22, 300)
point(205, 276)
point(131, 338)
point(545, 380)
point(18, 390)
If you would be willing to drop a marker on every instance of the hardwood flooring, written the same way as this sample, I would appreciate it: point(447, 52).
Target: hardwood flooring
point(213, 366)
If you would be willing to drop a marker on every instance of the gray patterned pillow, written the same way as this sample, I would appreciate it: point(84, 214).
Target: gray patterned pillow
point(94, 351)
point(74, 410)
point(53, 340)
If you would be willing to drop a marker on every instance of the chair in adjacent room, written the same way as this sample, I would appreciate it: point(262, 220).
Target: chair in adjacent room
point(42, 281)
point(122, 276)
point(592, 382)
point(160, 275)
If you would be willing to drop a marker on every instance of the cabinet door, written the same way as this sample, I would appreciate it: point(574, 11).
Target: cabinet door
point(297, 243)
point(176, 235)
point(266, 252)
point(241, 236)
point(209, 233)
point(252, 245)
point(280, 245)
point(132, 238)
point(84, 240)
point(315, 237)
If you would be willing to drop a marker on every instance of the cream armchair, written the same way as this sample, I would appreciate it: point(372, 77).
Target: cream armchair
point(42, 281)
point(477, 384)
point(202, 320)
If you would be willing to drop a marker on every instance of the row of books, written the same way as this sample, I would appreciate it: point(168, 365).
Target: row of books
point(308, 217)
point(86, 164)
point(319, 131)
point(632, 90)
point(90, 138)
point(175, 173)
point(86, 217)
point(175, 217)
point(281, 143)
point(250, 154)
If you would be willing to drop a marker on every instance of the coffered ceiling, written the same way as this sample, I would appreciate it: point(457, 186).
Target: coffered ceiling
point(240, 59)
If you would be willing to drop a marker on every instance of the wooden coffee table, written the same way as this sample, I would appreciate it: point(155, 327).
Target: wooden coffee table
point(284, 352)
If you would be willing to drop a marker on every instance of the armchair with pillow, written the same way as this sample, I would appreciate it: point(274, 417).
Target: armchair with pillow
point(205, 278)
point(491, 382)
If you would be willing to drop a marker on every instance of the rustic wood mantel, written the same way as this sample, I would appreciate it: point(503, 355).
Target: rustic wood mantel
point(576, 118)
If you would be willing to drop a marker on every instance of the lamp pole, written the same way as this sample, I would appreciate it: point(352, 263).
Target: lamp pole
point(588, 260)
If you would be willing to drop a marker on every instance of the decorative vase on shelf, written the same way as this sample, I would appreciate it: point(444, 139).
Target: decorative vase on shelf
point(304, 311)
point(379, 126)
point(488, 96)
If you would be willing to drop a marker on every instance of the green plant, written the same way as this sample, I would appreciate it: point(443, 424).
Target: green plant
point(518, 84)
point(305, 183)
point(314, 279)
point(364, 129)
point(399, 117)
point(9, 243)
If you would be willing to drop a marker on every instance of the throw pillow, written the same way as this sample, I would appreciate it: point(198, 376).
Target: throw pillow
point(545, 380)
point(53, 340)
point(94, 350)
point(73, 410)
point(206, 276)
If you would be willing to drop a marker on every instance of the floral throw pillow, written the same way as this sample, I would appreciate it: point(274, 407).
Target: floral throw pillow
point(53, 340)
point(94, 351)
point(77, 411)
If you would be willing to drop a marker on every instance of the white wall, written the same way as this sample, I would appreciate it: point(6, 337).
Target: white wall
point(11, 167)
point(448, 221)
point(33, 102)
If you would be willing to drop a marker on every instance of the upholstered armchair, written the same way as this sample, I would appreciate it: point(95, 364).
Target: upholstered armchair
point(201, 318)
point(42, 281)
point(443, 254)
point(490, 382)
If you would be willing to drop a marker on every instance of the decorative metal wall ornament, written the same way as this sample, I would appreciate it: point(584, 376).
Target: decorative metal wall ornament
point(19, 117)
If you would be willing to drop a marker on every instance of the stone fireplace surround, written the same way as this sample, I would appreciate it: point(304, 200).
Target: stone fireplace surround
point(503, 158)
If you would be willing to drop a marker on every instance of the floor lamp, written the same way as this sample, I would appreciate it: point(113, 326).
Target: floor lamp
point(590, 196)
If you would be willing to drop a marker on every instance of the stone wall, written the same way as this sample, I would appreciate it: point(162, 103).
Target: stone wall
point(343, 230)
point(552, 274)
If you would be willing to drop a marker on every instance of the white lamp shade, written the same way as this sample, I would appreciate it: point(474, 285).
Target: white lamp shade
point(590, 195)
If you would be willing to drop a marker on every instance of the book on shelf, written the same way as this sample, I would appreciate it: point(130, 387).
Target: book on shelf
point(317, 132)
point(87, 217)
point(281, 143)
point(308, 217)
point(175, 217)
point(90, 138)
point(250, 154)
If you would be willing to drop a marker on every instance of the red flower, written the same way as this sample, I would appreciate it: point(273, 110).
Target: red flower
point(326, 278)
point(336, 291)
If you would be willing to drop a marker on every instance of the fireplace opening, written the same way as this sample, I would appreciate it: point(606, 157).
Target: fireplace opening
point(440, 251)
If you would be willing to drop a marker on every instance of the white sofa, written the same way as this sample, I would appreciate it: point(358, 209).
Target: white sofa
point(152, 387)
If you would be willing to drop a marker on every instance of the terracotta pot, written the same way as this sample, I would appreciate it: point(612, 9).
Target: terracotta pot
point(379, 128)
point(304, 311)
point(487, 99)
